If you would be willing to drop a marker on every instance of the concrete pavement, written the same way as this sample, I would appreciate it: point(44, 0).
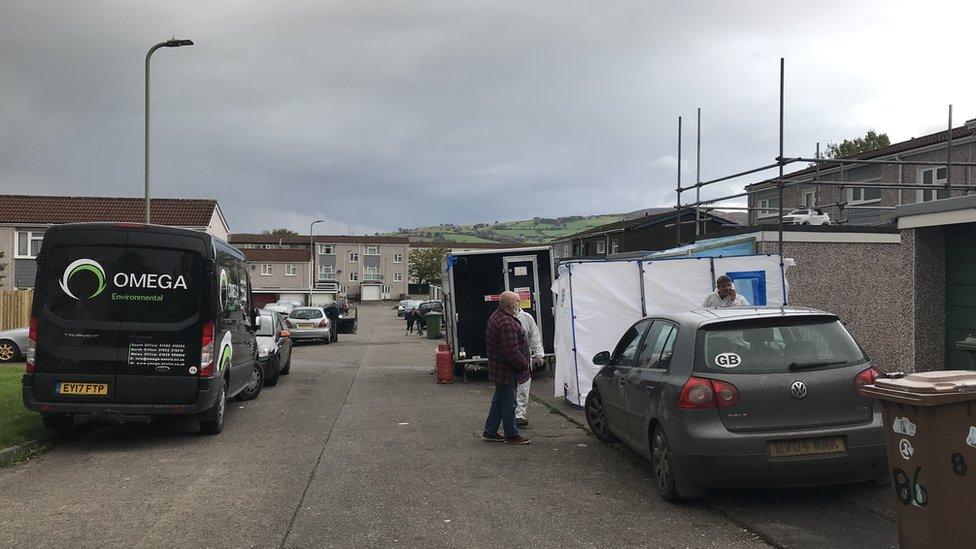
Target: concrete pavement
point(357, 447)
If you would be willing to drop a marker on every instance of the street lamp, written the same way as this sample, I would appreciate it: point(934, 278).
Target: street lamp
point(311, 257)
point(172, 43)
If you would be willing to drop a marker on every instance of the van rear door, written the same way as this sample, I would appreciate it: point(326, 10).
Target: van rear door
point(123, 308)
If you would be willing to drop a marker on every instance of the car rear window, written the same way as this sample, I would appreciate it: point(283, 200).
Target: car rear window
point(267, 326)
point(305, 314)
point(776, 346)
point(122, 284)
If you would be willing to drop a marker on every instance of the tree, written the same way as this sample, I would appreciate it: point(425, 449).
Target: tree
point(281, 232)
point(425, 265)
point(871, 141)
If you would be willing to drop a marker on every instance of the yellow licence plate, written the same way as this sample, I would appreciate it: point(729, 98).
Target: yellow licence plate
point(806, 446)
point(87, 389)
point(306, 325)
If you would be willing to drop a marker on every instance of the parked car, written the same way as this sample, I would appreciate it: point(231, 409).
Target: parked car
point(133, 321)
point(279, 308)
point(13, 344)
point(274, 347)
point(430, 306)
point(401, 307)
point(309, 323)
point(807, 216)
point(718, 398)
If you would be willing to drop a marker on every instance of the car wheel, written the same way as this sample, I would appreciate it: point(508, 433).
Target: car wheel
point(286, 369)
point(327, 339)
point(271, 375)
point(805, 223)
point(663, 466)
point(254, 384)
point(215, 423)
point(596, 417)
point(59, 423)
point(8, 351)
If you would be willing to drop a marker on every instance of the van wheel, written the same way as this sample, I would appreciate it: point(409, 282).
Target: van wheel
point(596, 417)
point(59, 423)
point(271, 376)
point(215, 424)
point(8, 351)
point(254, 384)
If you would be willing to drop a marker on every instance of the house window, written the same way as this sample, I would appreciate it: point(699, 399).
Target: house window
point(398, 258)
point(809, 199)
point(28, 244)
point(932, 176)
point(326, 270)
point(353, 276)
point(372, 250)
point(372, 273)
point(864, 195)
point(614, 245)
point(768, 207)
point(387, 289)
point(342, 288)
point(266, 270)
point(291, 269)
point(397, 277)
point(353, 257)
point(601, 247)
point(326, 249)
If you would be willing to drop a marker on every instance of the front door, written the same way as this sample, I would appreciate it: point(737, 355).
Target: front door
point(522, 277)
point(615, 375)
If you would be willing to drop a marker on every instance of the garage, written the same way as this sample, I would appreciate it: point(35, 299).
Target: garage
point(299, 298)
point(370, 292)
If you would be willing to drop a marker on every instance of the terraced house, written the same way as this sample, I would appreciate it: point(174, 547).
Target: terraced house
point(368, 268)
point(24, 218)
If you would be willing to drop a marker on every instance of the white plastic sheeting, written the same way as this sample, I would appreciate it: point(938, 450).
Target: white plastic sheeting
point(596, 301)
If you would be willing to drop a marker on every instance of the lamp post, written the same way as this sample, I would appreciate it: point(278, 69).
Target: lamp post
point(311, 257)
point(172, 43)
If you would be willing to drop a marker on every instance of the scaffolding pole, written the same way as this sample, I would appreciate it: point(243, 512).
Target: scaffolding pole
point(697, 176)
point(779, 157)
point(678, 225)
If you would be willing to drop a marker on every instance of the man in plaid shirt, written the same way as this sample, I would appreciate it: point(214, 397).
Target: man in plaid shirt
point(508, 365)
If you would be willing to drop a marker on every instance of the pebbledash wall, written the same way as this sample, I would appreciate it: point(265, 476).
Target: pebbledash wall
point(885, 287)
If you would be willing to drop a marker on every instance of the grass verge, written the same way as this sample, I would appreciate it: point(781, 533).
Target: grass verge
point(17, 424)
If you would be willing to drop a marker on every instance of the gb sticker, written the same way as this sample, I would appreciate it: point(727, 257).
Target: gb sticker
point(728, 360)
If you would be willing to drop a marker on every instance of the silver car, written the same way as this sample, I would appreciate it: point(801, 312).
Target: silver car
point(719, 398)
point(13, 344)
point(305, 323)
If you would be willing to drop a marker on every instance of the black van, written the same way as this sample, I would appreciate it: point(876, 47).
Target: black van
point(133, 321)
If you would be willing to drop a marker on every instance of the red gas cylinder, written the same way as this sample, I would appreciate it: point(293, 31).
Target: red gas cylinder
point(445, 364)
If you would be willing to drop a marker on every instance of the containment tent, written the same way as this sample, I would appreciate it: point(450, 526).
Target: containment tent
point(596, 301)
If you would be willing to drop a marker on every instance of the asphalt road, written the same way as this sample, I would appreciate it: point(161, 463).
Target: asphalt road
point(357, 447)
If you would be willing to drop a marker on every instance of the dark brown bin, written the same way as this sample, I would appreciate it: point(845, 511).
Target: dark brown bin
point(930, 429)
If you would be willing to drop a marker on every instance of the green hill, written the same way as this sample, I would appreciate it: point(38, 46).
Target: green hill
point(536, 230)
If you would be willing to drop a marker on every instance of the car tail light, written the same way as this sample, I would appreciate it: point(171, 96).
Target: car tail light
point(207, 351)
point(865, 377)
point(31, 344)
point(701, 393)
point(324, 323)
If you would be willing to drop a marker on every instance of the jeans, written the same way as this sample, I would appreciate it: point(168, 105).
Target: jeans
point(503, 409)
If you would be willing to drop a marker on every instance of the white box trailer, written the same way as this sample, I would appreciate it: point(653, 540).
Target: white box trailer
point(472, 281)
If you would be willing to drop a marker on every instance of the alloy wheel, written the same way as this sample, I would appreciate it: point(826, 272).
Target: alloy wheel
point(662, 463)
point(7, 352)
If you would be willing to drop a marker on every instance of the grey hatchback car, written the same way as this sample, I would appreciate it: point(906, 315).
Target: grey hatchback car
point(757, 397)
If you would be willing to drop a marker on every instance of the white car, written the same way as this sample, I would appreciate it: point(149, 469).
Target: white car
point(807, 216)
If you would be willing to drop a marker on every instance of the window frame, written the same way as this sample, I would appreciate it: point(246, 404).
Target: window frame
point(398, 258)
point(936, 183)
point(267, 269)
point(614, 245)
point(397, 277)
point(366, 250)
point(291, 269)
point(353, 257)
point(326, 249)
point(32, 236)
point(353, 276)
point(671, 337)
point(601, 247)
point(856, 202)
point(767, 210)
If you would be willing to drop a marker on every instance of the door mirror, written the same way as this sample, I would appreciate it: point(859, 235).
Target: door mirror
point(602, 358)
point(284, 333)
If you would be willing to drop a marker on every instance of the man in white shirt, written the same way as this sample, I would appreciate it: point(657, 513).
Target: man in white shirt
point(725, 295)
point(534, 336)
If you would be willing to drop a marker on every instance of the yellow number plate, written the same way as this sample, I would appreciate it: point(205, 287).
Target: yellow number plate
point(806, 446)
point(86, 389)
point(306, 325)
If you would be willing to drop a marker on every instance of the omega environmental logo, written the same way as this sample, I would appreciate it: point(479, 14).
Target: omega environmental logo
point(81, 266)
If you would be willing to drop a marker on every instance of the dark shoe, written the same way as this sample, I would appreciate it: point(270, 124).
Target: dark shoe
point(491, 437)
point(521, 421)
point(517, 440)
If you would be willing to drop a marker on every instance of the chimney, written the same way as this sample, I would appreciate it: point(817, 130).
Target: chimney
point(971, 124)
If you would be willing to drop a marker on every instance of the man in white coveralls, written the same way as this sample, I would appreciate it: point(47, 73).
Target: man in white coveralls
point(534, 336)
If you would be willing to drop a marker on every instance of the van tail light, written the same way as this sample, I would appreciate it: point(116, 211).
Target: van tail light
point(31, 344)
point(865, 377)
point(207, 351)
point(701, 393)
point(324, 323)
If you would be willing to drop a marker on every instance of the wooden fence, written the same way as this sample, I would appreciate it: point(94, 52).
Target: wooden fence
point(15, 308)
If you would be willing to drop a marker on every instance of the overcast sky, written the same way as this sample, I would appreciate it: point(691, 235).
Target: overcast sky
point(378, 115)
